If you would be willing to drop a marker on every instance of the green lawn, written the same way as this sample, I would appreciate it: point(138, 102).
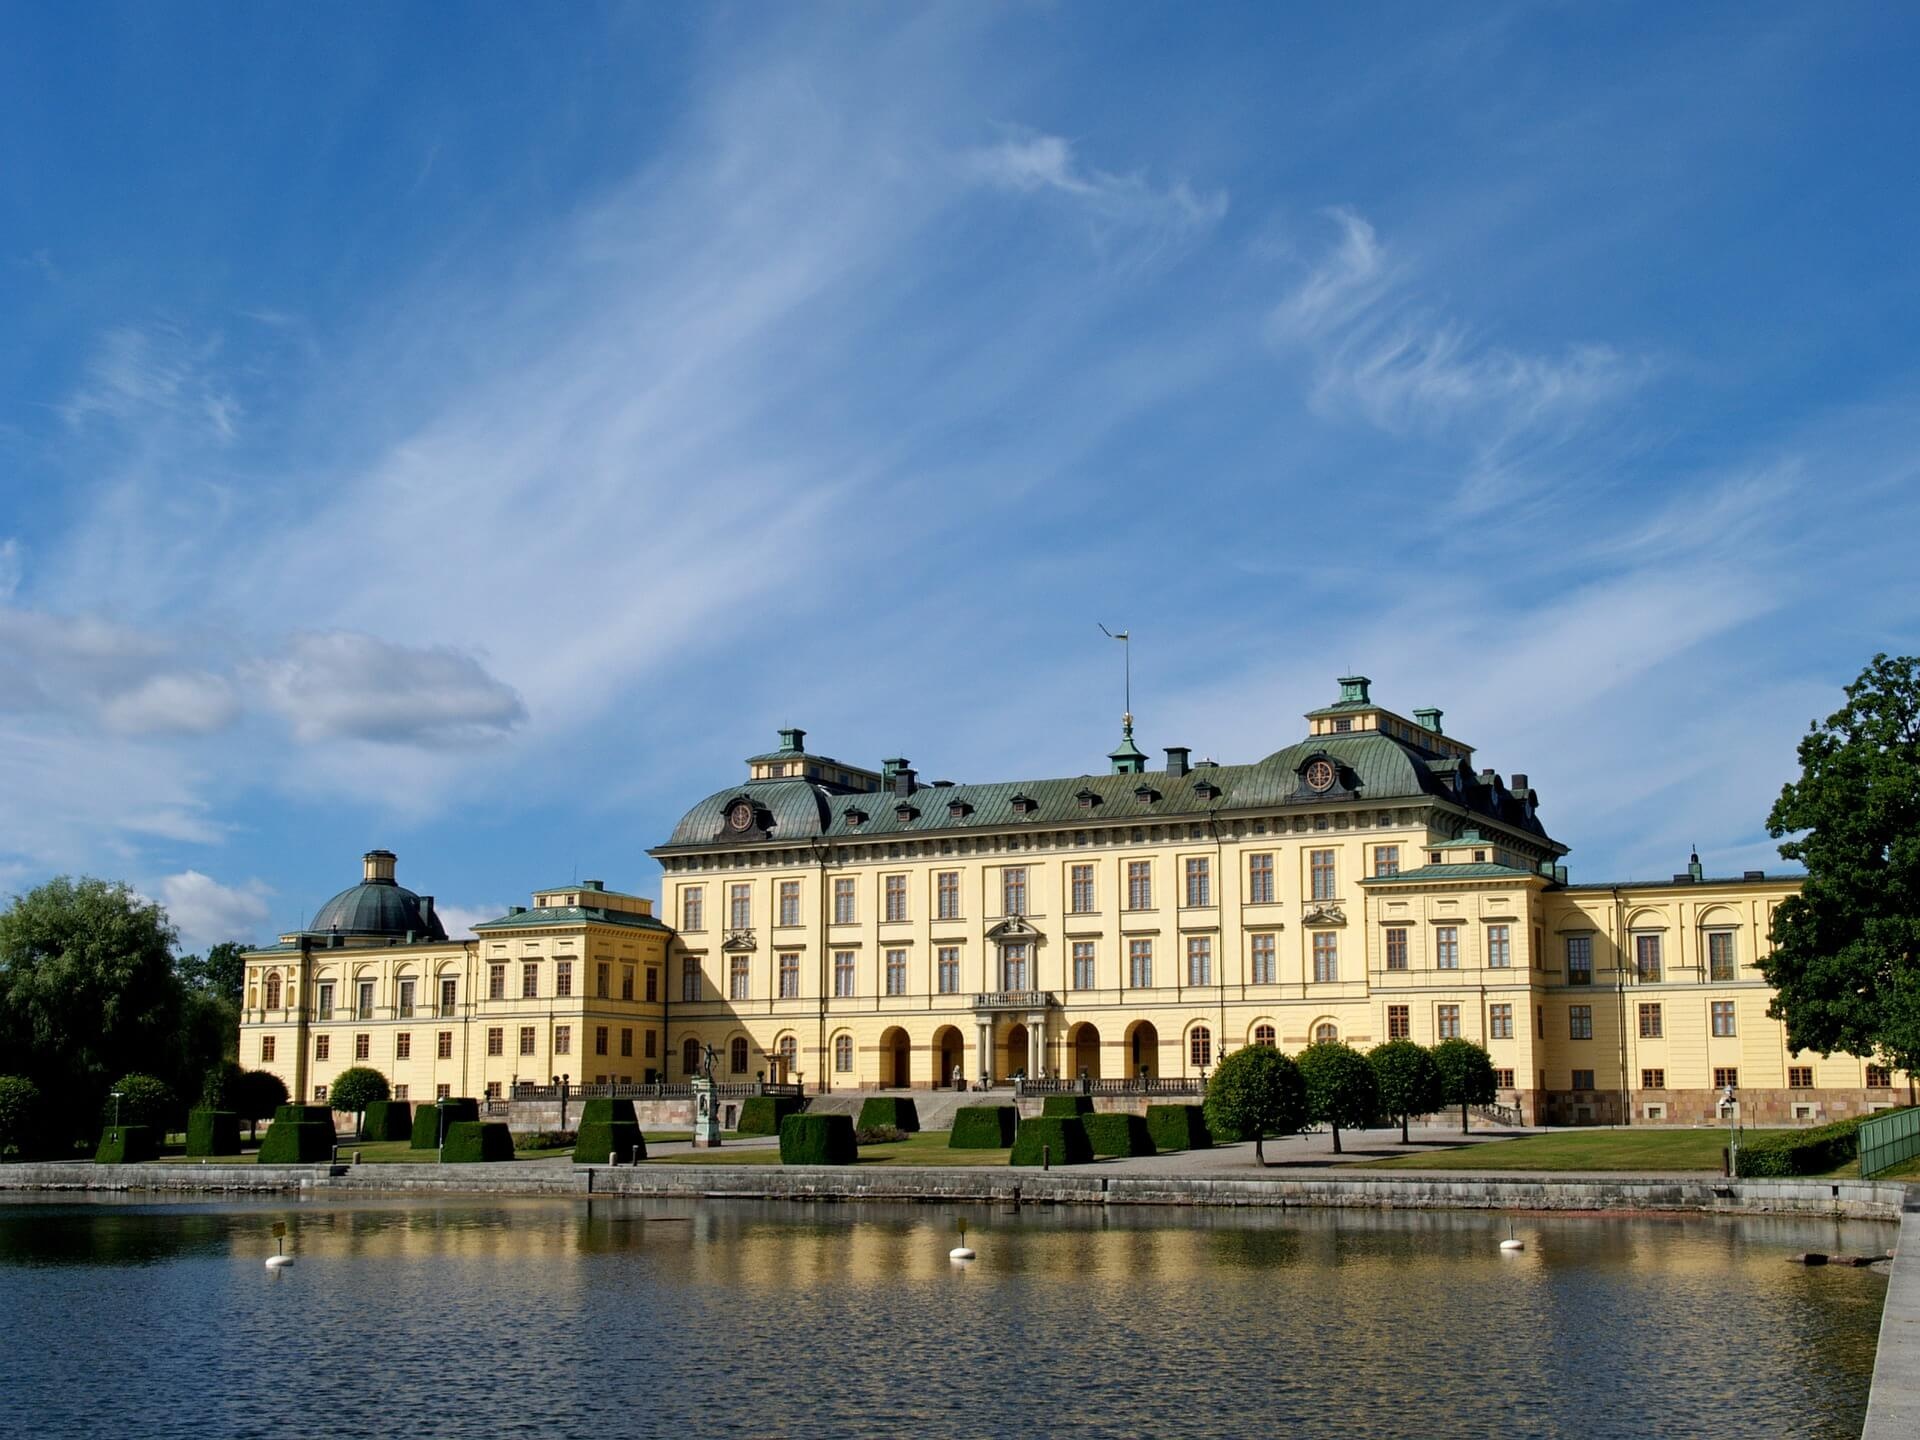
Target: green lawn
point(372, 1152)
point(1638, 1148)
point(928, 1147)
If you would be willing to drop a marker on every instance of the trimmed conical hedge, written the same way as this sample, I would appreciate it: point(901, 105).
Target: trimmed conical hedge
point(601, 1142)
point(1063, 1137)
point(893, 1111)
point(213, 1132)
point(472, 1141)
point(1178, 1127)
point(1056, 1105)
point(818, 1140)
point(983, 1127)
point(1118, 1133)
point(126, 1145)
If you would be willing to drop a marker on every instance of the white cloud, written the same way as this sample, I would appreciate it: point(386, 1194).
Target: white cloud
point(207, 912)
point(187, 703)
point(341, 685)
point(10, 568)
point(1351, 277)
point(460, 919)
point(138, 376)
point(134, 681)
point(1032, 163)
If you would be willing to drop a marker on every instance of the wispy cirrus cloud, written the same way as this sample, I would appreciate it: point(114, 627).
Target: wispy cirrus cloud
point(1031, 163)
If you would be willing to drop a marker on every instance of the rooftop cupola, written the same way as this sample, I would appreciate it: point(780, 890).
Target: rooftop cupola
point(1353, 690)
point(1429, 719)
point(1127, 757)
point(794, 740)
point(376, 867)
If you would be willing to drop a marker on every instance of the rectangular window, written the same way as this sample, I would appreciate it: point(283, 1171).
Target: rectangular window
point(526, 1039)
point(693, 908)
point(1879, 1077)
point(442, 1090)
point(1725, 1076)
point(362, 1047)
point(946, 891)
point(1723, 1017)
point(1579, 1022)
point(363, 1010)
point(496, 1040)
point(1013, 967)
point(1396, 948)
point(1720, 955)
point(1199, 881)
point(399, 1092)
point(1326, 956)
point(319, 1094)
point(1499, 947)
point(896, 972)
point(1260, 879)
point(1500, 1022)
point(740, 907)
point(530, 980)
point(603, 981)
point(563, 1039)
point(563, 978)
point(1398, 1027)
point(1199, 960)
point(403, 1046)
point(599, 1039)
point(324, 1001)
point(1503, 1079)
point(1800, 1077)
point(789, 975)
point(1320, 867)
point(1650, 1022)
point(1579, 959)
point(1083, 965)
point(1386, 860)
point(626, 1044)
point(1446, 948)
point(1263, 960)
point(1646, 958)
point(493, 1090)
point(626, 982)
point(896, 898)
point(1013, 890)
point(843, 973)
point(1653, 1079)
point(322, 1047)
point(1083, 889)
point(738, 976)
point(949, 968)
point(1446, 1022)
point(690, 978)
point(653, 1044)
point(267, 1048)
point(1139, 885)
point(843, 902)
point(789, 902)
point(443, 1045)
point(653, 983)
point(496, 982)
point(1140, 963)
point(1583, 1080)
point(406, 999)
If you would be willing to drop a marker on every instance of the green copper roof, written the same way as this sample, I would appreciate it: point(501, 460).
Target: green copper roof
point(571, 915)
point(1426, 874)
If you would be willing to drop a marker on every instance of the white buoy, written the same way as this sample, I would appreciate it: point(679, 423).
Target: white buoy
point(277, 1262)
point(1513, 1244)
point(960, 1252)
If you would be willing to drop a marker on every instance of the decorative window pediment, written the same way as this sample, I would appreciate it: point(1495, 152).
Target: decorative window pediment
point(1015, 928)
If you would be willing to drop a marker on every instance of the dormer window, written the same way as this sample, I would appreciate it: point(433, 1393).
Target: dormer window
point(1087, 798)
point(1024, 805)
point(1145, 794)
point(1206, 789)
point(904, 813)
point(959, 810)
point(856, 818)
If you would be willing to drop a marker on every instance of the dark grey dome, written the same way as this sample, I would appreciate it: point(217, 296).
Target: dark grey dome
point(379, 905)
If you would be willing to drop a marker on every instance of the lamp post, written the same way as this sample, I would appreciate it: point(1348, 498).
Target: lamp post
point(1731, 1107)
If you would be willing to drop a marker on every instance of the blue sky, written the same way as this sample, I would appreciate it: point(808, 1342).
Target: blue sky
point(474, 432)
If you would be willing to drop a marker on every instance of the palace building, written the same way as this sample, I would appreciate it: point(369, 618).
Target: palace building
point(853, 928)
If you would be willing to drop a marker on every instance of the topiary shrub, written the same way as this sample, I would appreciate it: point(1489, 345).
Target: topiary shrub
point(600, 1142)
point(354, 1089)
point(1118, 1133)
point(983, 1127)
point(297, 1142)
point(426, 1120)
point(309, 1114)
point(22, 1116)
point(1178, 1127)
point(127, 1145)
point(818, 1140)
point(144, 1100)
point(888, 1112)
point(259, 1094)
point(1803, 1152)
point(388, 1120)
point(213, 1132)
point(764, 1114)
point(603, 1110)
point(473, 1142)
point(1067, 1105)
point(1056, 1139)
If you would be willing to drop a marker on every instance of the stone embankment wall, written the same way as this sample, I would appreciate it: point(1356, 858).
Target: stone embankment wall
point(1847, 1199)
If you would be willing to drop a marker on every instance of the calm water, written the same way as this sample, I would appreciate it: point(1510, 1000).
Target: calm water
point(549, 1319)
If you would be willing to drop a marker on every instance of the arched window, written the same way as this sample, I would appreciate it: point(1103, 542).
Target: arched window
point(1200, 1046)
point(690, 1055)
point(1263, 1034)
point(789, 1053)
point(843, 1054)
point(273, 990)
point(1325, 1033)
point(737, 1055)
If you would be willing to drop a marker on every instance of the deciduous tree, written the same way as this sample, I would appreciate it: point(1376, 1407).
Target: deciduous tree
point(1466, 1075)
point(1409, 1080)
point(255, 1096)
point(1254, 1093)
point(356, 1088)
point(1341, 1087)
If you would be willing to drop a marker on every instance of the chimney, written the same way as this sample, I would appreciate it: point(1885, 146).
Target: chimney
point(426, 913)
point(376, 867)
point(1177, 762)
point(901, 774)
point(1520, 780)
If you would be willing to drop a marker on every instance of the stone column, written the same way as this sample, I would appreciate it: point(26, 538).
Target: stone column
point(1038, 1050)
point(983, 1070)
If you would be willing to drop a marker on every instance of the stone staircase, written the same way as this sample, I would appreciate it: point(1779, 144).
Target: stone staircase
point(935, 1107)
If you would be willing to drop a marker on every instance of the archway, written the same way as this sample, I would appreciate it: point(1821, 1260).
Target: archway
point(950, 1048)
point(895, 1073)
point(1085, 1047)
point(1017, 1050)
point(1143, 1050)
point(783, 1059)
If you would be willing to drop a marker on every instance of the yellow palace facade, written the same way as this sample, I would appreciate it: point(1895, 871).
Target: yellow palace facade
point(853, 928)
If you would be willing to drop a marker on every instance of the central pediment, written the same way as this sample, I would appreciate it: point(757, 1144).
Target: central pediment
point(1014, 927)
